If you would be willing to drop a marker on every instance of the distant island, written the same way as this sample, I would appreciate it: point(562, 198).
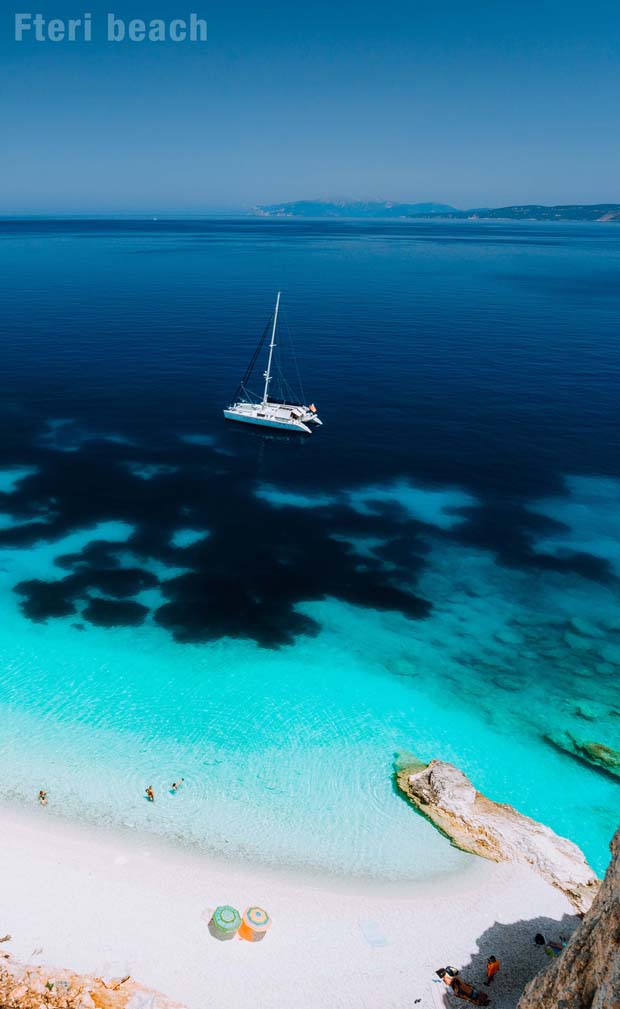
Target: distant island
point(404, 211)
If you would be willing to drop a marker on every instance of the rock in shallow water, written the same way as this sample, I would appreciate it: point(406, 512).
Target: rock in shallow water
point(585, 628)
point(588, 711)
point(610, 653)
point(603, 755)
point(578, 643)
point(496, 830)
point(605, 669)
point(510, 683)
point(598, 755)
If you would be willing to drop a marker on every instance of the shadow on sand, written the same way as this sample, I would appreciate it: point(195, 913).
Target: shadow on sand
point(519, 955)
point(220, 936)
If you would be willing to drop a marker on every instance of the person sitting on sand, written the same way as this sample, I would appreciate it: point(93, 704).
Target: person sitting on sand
point(43, 797)
point(492, 969)
point(150, 794)
point(175, 786)
point(551, 947)
point(463, 989)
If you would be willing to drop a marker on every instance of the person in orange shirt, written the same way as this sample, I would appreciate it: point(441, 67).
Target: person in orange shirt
point(492, 969)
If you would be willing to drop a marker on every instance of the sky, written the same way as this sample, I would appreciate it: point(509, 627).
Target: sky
point(468, 103)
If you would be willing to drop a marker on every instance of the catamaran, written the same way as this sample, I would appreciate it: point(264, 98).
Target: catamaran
point(268, 411)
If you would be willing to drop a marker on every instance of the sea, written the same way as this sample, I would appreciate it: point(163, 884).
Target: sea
point(280, 620)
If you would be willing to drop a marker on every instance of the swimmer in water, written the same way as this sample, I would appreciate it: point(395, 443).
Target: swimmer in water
point(175, 786)
point(150, 794)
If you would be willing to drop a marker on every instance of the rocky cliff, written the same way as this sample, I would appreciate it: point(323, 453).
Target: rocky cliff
point(495, 830)
point(24, 986)
point(587, 974)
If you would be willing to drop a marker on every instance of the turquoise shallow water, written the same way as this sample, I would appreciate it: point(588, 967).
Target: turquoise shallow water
point(437, 570)
point(287, 755)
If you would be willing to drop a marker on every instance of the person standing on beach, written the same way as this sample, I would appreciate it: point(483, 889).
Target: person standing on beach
point(43, 797)
point(150, 794)
point(492, 969)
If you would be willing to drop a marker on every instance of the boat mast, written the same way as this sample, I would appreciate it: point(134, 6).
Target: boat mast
point(271, 346)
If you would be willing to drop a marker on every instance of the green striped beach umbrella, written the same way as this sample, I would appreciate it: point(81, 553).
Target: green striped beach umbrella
point(226, 919)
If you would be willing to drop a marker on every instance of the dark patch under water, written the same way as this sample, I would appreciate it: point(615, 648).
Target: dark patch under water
point(439, 354)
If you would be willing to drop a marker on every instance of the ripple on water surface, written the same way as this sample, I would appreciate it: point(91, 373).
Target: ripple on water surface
point(287, 754)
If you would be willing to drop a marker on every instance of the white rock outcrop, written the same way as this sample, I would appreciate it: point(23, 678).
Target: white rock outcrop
point(496, 830)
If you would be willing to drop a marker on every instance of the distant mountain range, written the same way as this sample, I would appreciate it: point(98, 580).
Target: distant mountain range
point(400, 211)
point(355, 208)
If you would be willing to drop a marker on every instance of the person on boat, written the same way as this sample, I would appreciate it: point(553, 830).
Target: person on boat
point(150, 794)
point(43, 797)
point(492, 969)
point(175, 786)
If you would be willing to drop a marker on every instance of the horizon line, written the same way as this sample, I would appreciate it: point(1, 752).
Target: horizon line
point(254, 210)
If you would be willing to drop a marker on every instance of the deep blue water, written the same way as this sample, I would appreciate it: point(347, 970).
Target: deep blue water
point(487, 353)
point(465, 374)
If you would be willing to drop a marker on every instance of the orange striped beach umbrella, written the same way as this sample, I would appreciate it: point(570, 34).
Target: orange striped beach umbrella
point(254, 924)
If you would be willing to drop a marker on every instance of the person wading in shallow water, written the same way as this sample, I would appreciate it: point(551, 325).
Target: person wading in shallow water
point(43, 797)
point(150, 794)
point(175, 786)
point(492, 969)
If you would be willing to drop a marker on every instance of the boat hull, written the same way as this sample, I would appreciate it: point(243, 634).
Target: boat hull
point(280, 425)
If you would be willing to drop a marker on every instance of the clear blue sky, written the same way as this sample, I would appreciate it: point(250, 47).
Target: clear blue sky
point(470, 103)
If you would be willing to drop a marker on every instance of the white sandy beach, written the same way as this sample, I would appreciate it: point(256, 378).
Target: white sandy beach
point(114, 904)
